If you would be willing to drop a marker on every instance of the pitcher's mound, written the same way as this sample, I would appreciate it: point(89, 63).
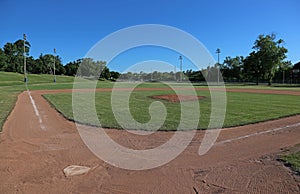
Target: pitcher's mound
point(177, 98)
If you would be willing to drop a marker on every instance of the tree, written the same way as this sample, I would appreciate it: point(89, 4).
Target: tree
point(90, 68)
point(232, 68)
point(105, 73)
point(14, 55)
point(267, 57)
point(46, 62)
point(194, 76)
point(114, 75)
point(281, 74)
point(3, 59)
point(59, 68)
point(252, 67)
point(10, 53)
point(45, 65)
point(71, 67)
point(32, 65)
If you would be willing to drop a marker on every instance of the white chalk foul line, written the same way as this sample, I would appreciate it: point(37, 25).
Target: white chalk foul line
point(258, 133)
point(36, 110)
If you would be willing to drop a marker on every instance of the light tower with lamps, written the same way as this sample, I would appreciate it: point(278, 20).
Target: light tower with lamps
point(54, 79)
point(24, 53)
point(218, 51)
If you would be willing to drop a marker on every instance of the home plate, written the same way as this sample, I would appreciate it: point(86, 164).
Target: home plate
point(74, 170)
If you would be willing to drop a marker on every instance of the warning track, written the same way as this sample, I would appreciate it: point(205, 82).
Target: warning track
point(35, 150)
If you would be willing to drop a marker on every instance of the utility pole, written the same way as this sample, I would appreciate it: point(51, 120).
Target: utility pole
point(180, 58)
point(54, 80)
point(218, 51)
point(24, 53)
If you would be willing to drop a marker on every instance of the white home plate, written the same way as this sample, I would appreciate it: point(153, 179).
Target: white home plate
point(75, 170)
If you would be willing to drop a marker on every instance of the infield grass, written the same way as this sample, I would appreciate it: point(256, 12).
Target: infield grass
point(242, 108)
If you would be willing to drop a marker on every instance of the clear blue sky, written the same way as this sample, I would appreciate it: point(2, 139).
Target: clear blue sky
point(73, 27)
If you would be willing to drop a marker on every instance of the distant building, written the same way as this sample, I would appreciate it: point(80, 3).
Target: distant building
point(297, 66)
point(295, 73)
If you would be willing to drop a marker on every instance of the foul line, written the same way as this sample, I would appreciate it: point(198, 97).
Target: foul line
point(258, 133)
point(35, 109)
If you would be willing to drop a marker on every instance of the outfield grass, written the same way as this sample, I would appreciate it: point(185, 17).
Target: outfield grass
point(294, 87)
point(13, 79)
point(11, 84)
point(242, 108)
point(8, 97)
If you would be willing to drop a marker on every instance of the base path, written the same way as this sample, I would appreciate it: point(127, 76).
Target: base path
point(38, 143)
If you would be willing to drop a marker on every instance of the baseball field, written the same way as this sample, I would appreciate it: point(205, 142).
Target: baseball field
point(39, 139)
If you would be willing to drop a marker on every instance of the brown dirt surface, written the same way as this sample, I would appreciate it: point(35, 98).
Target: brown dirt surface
point(34, 152)
point(177, 98)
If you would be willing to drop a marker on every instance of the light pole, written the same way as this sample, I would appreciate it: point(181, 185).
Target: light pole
point(180, 58)
point(218, 51)
point(24, 53)
point(54, 80)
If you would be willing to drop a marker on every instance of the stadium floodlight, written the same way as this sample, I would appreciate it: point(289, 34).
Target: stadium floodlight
point(54, 79)
point(24, 53)
point(218, 51)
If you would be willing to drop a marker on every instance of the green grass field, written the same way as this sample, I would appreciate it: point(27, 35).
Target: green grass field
point(242, 108)
point(11, 84)
point(16, 79)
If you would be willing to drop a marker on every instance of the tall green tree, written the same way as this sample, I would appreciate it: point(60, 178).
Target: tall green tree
point(15, 55)
point(269, 54)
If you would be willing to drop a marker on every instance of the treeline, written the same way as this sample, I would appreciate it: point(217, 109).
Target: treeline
point(266, 63)
point(87, 67)
point(12, 60)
